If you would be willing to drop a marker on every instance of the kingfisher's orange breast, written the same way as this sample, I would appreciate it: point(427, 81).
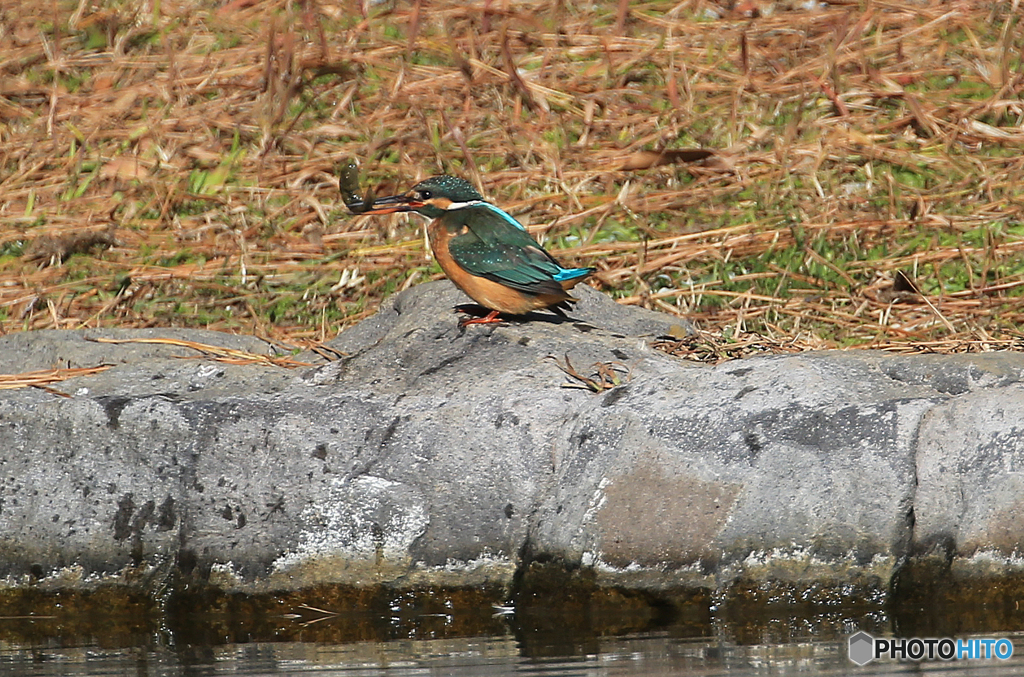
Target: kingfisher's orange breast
point(486, 292)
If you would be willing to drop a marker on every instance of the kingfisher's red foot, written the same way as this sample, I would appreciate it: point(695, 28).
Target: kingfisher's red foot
point(491, 318)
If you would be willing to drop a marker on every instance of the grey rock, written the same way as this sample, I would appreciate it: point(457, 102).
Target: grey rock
point(971, 472)
point(57, 349)
point(433, 455)
point(810, 456)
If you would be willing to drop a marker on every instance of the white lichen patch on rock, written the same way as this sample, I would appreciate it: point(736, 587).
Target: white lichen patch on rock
point(367, 524)
point(799, 564)
point(645, 577)
point(488, 569)
point(224, 575)
point(987, 563)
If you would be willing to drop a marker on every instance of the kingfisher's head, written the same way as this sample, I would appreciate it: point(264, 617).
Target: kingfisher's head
point(431, 197)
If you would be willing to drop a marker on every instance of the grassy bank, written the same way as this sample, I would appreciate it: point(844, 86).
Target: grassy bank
point(172, 163)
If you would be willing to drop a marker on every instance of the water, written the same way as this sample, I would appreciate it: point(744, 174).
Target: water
point(462, 634)
point(651, 654)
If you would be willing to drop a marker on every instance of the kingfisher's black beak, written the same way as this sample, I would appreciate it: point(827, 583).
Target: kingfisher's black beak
point(392, 204)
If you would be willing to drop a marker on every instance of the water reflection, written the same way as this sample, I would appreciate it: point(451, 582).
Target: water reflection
point(651, 654)
point(336, 631)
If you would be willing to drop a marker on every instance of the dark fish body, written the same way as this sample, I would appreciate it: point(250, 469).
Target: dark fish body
point(348, 186)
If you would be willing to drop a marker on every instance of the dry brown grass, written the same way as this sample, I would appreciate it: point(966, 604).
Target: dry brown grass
point(172, 163)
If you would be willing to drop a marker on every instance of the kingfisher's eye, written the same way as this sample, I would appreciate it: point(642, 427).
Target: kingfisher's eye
point(426, 194)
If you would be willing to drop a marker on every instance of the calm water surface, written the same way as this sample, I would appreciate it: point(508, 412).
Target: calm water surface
point(521, 650)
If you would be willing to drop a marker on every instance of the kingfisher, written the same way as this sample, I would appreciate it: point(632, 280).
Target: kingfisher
point(484, 251)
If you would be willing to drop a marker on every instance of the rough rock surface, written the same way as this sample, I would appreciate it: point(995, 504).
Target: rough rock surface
point(430, 455)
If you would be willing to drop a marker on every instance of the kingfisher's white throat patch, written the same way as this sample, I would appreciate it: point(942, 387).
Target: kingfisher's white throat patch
point(462, 205)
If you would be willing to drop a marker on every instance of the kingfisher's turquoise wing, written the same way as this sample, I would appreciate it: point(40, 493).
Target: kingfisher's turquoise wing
point(493, 248)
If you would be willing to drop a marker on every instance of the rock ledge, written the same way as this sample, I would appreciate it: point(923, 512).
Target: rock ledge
point(430, 456)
